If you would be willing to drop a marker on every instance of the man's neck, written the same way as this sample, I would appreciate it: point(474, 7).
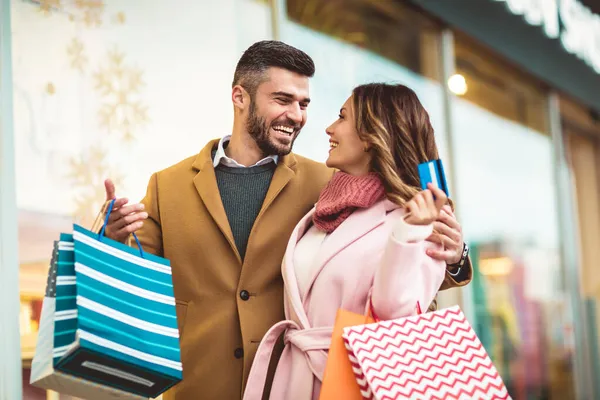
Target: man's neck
point(244, 152)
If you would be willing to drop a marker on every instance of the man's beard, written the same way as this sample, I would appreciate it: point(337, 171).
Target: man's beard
point(259, 131)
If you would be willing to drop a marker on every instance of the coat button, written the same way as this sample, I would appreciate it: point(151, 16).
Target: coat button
point(244, 295)
point(238, 353)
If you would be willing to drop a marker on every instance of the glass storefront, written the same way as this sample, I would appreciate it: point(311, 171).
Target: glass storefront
point(581, 127)
point(509, 212)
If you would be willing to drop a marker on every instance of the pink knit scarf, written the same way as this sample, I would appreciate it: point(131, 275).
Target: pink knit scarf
point(344, 194)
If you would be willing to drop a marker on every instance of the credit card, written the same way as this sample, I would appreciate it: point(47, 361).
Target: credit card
point(433, 171)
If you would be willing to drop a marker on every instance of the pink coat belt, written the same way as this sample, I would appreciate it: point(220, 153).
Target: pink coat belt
point(305, 351)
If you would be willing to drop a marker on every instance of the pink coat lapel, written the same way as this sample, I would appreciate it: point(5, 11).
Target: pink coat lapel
point(356, 226)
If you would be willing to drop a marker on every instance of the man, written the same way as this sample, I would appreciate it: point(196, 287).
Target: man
point(224, 216)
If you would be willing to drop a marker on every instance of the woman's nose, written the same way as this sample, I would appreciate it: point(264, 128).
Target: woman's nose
point(329, 130)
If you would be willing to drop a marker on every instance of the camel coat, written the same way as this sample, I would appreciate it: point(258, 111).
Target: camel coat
point(219, 330)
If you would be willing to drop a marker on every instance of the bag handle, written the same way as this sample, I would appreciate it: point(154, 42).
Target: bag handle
point(101, 233)
point(376, 318)
point(97, 225)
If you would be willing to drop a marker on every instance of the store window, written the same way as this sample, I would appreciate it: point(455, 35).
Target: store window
point(581, 130)
point(508, 207)
point(501, 89)
point(388, 28)
point(359, 41)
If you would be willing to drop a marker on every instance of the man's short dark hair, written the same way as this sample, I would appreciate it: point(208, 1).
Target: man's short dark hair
point(252, 66)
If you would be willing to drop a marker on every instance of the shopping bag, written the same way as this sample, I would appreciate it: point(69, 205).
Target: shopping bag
point(115, 322)
point(339, 381)
point(436, 355)
point(43, 374)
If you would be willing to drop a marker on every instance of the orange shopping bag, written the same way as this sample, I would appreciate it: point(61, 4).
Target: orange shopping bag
point(339, 381)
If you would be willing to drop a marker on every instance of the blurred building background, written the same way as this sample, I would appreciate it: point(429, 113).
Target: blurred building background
point(121, 89)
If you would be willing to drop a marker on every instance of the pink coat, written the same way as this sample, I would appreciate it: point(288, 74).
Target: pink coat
point(362, 260)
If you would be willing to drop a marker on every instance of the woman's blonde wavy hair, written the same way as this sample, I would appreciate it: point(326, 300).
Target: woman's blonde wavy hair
point(396, 128)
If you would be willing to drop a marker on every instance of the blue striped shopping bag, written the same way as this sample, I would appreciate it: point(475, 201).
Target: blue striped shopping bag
point(43, 374)
point(114, 320)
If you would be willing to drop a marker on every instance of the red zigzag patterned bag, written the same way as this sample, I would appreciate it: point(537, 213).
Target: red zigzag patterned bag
point(431, 356)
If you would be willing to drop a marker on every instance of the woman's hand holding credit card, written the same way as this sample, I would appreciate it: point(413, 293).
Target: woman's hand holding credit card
point(425, 207)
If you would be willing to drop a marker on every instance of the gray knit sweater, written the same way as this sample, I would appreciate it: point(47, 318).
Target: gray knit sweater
point(243, 192)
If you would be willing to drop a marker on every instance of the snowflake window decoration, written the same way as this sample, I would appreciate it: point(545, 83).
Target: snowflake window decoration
point(119, 85)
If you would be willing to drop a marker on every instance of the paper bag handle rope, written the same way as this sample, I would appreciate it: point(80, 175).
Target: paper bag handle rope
point(101, 233)
point(97, 225)
point(376, 318)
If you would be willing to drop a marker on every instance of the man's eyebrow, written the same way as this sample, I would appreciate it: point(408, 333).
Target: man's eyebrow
point(290, 96)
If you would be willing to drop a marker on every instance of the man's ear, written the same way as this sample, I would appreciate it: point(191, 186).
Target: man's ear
point(239, 97)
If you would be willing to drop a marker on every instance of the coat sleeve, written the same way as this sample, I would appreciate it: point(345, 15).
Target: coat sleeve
point(150, 235)
point(406, 275)
point(460, 279)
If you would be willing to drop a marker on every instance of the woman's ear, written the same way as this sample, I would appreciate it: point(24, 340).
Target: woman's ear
point(366, 146)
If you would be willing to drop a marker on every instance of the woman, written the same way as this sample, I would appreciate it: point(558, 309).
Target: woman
point(363, 242)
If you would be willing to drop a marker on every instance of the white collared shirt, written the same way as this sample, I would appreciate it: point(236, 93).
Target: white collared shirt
point(221, 157)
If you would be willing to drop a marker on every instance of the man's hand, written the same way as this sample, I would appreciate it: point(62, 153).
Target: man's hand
point(124, 218)
point(448, 233)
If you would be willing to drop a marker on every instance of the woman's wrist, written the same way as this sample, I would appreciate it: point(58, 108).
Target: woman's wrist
point(405, 232)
